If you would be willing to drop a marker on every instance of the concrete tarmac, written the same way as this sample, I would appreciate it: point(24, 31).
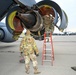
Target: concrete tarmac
point(64, 52)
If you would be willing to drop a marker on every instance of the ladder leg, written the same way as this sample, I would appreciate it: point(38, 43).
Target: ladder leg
point(52, 46)
point(44, 53)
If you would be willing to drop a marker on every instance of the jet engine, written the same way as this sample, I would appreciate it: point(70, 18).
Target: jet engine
point(29, 14)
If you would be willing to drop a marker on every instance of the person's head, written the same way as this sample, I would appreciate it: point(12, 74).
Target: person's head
point(28, 32)
point(47, 15)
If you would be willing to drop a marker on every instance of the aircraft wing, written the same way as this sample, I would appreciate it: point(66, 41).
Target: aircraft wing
point(4, 7)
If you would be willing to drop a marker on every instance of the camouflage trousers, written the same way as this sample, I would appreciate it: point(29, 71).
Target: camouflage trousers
point(31, 57)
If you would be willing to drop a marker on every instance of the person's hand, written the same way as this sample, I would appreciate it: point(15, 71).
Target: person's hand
point(37, 54)
point(21, 53)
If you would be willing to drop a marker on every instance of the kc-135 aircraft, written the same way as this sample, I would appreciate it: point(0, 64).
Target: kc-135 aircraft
point(32, 13)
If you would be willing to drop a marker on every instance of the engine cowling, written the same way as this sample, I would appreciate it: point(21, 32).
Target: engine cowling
point(5, 35)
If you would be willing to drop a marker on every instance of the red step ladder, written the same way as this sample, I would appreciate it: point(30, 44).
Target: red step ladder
point(48, 50)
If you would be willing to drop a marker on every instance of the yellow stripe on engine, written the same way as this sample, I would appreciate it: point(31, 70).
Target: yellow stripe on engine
point(45, 6)
point(10, 19)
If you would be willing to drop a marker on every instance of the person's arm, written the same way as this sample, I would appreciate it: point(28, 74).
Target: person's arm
point(35, 48)
point(22, 45)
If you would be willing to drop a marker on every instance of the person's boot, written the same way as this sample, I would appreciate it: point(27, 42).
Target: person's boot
point(27, 70)
point(36, 70)
point(74, 68)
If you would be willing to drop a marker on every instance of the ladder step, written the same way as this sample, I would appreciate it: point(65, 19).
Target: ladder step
point(48, 49)
point(47, 37)
point(47, 60)
point(47, 42)
point(47, 54)
point(47, 32)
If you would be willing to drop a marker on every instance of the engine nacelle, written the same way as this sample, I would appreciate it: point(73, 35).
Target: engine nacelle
point(5, 35)
point(31, 17)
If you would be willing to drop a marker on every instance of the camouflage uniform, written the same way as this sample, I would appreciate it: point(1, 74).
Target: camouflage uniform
point(48, 23)
point(29, 48)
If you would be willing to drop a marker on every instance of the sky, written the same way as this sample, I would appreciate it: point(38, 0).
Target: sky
point(69, 6)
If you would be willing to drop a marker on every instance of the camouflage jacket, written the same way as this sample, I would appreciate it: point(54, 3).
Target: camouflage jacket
point(28, 45)
point(48, 23)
